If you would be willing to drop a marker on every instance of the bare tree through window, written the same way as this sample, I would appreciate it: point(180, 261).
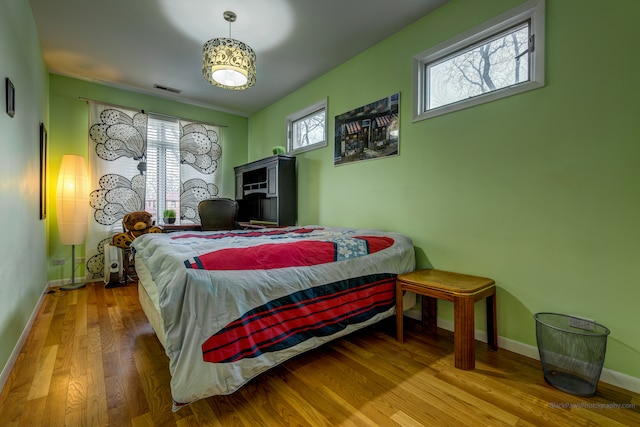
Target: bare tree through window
point(492, 65)
point(307, 129)
point(498, 58)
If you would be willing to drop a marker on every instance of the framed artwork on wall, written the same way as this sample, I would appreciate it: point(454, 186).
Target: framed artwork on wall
point(11, 97)
point(43, 171)
point(368, 132)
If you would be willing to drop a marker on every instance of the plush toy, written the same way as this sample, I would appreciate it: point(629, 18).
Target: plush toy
point(135, 224)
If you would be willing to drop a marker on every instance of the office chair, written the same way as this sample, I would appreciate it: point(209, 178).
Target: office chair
point(218, 214)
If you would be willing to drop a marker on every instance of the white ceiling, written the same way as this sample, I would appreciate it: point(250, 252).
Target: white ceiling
point(135, 44)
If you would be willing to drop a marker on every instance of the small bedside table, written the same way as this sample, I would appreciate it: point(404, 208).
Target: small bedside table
point(463, 290)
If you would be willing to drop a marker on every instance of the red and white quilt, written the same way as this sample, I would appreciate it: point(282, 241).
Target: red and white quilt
point(236, 303)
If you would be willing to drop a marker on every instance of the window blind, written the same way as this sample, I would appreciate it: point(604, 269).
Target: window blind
point(163, 165)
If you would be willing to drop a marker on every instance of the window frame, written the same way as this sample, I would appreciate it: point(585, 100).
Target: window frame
point(301, 114)
point(532, 11)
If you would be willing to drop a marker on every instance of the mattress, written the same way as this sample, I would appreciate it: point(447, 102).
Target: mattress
point(148, 296)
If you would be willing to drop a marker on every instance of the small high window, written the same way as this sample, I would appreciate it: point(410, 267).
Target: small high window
point(307, 128)
point(499, 58)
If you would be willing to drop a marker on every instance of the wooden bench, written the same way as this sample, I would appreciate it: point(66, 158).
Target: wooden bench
point(463, 290)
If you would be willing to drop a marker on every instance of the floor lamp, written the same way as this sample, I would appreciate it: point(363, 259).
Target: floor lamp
point(72, 207)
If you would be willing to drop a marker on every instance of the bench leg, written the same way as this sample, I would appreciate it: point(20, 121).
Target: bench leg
point(399, 314)
point(492, 322)
point(464, 333)
point(429, 315)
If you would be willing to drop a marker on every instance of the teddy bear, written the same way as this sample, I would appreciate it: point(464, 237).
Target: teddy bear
point(135, 224)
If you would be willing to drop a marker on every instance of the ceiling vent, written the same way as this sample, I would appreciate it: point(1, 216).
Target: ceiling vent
point(167, 89)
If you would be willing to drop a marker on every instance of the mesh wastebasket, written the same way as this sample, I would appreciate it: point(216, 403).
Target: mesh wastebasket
point(571, 357)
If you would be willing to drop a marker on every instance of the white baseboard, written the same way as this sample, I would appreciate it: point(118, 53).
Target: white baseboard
point(60, 282)
point(6, 371)
point(413, 313)
point(608, 376)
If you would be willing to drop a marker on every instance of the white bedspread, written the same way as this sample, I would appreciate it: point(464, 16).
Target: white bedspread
point(235, 304)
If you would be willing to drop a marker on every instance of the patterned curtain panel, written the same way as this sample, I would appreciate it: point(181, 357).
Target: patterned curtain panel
point(117, 171)
point(200, 154)
point(117, 162)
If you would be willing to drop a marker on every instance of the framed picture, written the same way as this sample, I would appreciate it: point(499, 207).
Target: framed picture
point(43, 171)
point(11, 97)
point(368, 132)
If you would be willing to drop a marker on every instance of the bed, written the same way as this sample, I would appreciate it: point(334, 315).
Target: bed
point(229, 305)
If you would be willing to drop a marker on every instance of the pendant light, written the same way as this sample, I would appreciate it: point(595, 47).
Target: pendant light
point(229, 63)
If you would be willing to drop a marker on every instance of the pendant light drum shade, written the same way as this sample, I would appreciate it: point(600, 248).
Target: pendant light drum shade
point(72, 200)
point(229, 63)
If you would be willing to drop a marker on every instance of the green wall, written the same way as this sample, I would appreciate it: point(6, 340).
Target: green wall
point(23, 258)
point(68, 135)
point(538, 191)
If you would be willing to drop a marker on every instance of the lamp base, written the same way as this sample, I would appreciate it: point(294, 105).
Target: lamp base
point(72, 286)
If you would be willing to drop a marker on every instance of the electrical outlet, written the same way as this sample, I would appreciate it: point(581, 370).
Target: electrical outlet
point(581, 323)
point(79, 260)
point(58, 261)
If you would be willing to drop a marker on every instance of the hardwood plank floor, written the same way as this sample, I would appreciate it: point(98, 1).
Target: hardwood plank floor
point(92, 359)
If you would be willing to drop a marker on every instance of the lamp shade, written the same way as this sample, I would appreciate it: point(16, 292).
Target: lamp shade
point(229, 64)
point(72, 200)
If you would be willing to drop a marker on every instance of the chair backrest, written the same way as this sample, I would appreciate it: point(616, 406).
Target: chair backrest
point(218, 214)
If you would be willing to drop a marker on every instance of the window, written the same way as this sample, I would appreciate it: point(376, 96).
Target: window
point(307, 129)
point(499, 58)
point(163, 165)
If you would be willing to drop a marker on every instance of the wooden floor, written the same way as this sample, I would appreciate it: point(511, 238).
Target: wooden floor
point(93, 360)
